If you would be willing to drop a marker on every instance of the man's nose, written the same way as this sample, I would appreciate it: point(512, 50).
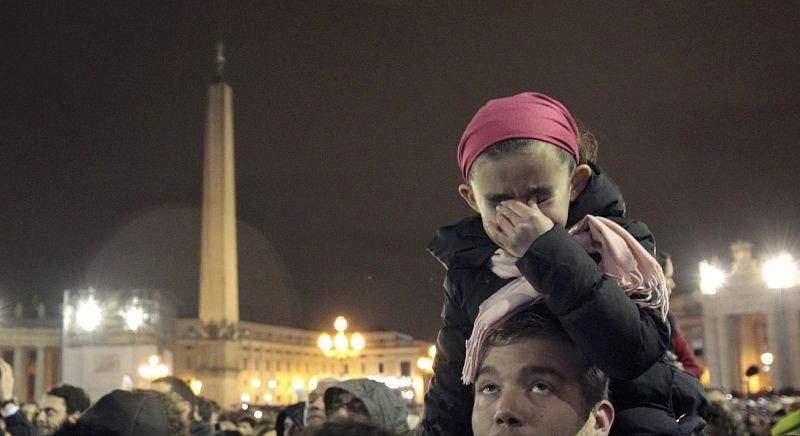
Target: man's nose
point(508, 410)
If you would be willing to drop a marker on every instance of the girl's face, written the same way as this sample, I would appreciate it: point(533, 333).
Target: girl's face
point(534, 174)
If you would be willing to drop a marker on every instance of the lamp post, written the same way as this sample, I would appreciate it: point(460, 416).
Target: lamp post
point(340, 346)
point(780, 273)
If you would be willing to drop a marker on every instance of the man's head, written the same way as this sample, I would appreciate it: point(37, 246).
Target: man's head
point(533, 380)
point(186, 399)
point(135, 413)
point(365, 400)
point(60, 405)
point(315, 413)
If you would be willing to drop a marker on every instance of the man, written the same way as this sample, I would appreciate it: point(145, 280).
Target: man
point(533, 380)
point(60, 405)
point(135, 413)
point(367, 401)
point(17, 424)
point(186, 401)
point(315, 414)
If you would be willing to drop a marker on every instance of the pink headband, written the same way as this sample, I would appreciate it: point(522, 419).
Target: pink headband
point(526, 115)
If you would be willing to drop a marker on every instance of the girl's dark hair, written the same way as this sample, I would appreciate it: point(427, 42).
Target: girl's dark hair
point(587, 144)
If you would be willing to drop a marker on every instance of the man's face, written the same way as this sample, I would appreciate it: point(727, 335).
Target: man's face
point(315, 413)
point(52, 414)
point(535, 174)
point(346, 406)
point(531, 387)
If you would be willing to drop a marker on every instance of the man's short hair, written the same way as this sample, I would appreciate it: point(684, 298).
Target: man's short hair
point(180, 387)
point(537, 322)
point(74, 397)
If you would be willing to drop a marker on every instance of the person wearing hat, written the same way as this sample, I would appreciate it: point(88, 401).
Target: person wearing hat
point(369, 401)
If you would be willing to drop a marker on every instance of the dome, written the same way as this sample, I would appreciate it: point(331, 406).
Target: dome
point(160, 249)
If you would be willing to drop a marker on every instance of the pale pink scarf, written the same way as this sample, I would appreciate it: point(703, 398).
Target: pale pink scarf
point(623, 259)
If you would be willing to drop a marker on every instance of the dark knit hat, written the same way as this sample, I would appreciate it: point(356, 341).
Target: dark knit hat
point(126, 413)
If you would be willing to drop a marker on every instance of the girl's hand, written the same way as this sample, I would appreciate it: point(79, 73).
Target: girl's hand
point(517, 225)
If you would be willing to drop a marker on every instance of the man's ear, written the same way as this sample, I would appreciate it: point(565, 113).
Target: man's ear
point(73, 417)
point(603, 418)
point(580, 178)
point(469, 196)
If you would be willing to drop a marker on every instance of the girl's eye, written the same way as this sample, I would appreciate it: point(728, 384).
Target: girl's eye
point(540, 388)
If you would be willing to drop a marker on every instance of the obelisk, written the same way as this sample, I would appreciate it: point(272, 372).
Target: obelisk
point(219, 278)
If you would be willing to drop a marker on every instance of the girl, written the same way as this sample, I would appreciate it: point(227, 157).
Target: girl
point(525, 176)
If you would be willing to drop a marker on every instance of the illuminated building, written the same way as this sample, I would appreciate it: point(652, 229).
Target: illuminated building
point(733, 324)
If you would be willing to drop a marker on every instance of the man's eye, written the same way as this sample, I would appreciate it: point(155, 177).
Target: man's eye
point(488, 388)
point(540, 388)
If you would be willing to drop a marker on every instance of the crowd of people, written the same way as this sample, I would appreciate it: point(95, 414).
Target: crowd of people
point(556, 319)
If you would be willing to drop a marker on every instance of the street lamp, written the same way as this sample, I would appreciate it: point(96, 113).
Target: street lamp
point(153, 369)
point(711, 278)
point(340, 347)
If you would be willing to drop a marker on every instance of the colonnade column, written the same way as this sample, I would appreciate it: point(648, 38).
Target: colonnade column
point(38, 385)
point(19, 371)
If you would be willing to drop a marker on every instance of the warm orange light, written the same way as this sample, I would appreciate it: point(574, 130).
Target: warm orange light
point(425, 364)
point(197, 386)
point(325, 342)
point(340, 324)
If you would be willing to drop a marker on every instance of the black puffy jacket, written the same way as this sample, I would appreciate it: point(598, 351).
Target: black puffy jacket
point(624, 340)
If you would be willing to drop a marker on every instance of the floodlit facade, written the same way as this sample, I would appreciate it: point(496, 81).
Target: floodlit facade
point(745, 324)
point(281, 365)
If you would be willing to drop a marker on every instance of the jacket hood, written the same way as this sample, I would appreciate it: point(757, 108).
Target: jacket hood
point(466, 244)
point(126, 414)
point(385, 405)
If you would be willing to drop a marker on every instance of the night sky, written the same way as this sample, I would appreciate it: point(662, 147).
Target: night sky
point(347, 117)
